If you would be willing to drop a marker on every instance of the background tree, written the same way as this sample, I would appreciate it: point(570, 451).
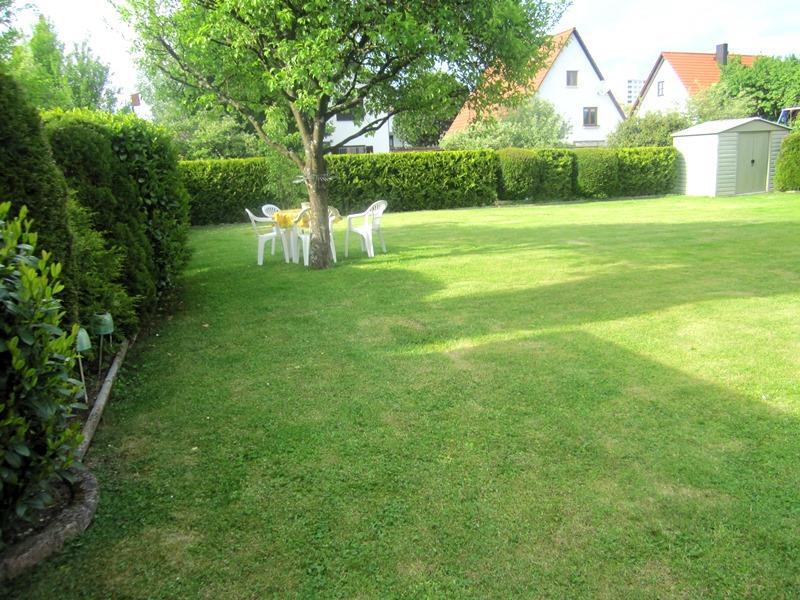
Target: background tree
point(772, 83)
point(315, 59)
point(52, 79)
point(8, 33)
point(426, 127)
point(535, 124)
point(652, 129)
point(717, 102)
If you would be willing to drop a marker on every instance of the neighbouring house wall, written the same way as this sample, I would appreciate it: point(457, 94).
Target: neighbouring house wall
point(697, 174)
point(570, 101)
point(675, 94)
point(378, 140)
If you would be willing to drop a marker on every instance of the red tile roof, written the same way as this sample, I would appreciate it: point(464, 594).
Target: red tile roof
point(466, 115)
point(699, 70)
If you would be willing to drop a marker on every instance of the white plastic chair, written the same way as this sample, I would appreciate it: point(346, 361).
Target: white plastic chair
point(332, 215)
point(300, 235)
point(269, 210)
point(263, 238)
point(370, 227)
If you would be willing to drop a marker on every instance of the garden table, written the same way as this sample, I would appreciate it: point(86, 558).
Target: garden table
point(284, 219)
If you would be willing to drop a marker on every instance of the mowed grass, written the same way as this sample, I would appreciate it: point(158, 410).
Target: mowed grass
point(578, 400)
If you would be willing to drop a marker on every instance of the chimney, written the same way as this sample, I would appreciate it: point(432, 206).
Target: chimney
point(722, 55)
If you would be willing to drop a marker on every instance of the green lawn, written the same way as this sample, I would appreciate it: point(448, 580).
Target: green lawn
point(576, 400)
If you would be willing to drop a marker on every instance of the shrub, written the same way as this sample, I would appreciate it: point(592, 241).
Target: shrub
point(82, 146)
point(28, 174)
point(653, 129)
point(647, 171)
point(597, 172)
point(97, 272)
point(220, 190)
point(536, 175)
point(787, 167)
point(534, 124)
point(37, 441)
point(414, 180)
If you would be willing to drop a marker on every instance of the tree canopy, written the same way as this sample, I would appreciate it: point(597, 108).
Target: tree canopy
point(535, 124)
point(310, 60)
point(771, 83)
point(652, 129)
point(52, 78)
point(426, 127)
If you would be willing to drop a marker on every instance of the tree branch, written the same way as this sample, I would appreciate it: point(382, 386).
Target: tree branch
point(368, 128)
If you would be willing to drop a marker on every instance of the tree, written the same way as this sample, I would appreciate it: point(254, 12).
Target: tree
point(8, 33)
point(426, 127)
point(772, 83)
point(535, 124)
point(716, 102)
point(652, 129)
point(51, 79)
point(315, 59)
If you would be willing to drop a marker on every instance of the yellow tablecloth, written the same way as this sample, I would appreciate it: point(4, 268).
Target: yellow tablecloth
point(285, 218)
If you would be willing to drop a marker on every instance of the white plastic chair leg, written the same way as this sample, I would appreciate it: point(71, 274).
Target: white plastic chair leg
point(287, 245)
point(306, 248)
point(261, 243)
point(369, 245)
point(273, 246)
point(295, 249)
point(333, 248)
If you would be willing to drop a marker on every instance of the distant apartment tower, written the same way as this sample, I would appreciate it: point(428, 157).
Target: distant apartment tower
point(634, 87)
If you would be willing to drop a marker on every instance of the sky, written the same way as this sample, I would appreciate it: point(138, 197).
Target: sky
point(625, 37)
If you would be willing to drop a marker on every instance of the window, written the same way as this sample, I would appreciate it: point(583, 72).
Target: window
point(590, 116)
point(572, 79)
point(354, 150)
point(660, 87)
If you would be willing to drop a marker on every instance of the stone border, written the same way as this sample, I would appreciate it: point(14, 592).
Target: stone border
point(72, 521)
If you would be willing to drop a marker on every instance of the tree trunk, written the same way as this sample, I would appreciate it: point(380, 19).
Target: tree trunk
point(316, 177)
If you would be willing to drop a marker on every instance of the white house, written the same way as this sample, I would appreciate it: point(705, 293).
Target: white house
point(727, 157)
point(573, 83)
point(677, 76)
point(343, 125)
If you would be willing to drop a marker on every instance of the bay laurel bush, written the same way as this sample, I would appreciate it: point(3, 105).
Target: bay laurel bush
point(37, 393)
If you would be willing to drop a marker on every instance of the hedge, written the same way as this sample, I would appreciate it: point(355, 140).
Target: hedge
point(28, 174)
point(536, 175)
point(414, 180)
point(220, 190)
point(82, 146)
point(787, 167)
point(647, 171)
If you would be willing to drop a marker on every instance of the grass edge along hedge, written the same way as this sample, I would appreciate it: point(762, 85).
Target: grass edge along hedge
point(221, 189)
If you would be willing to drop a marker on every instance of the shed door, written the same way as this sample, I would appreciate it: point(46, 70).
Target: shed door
point(752, 162)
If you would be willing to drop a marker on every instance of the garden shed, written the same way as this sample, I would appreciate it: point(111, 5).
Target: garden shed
point(728, 157)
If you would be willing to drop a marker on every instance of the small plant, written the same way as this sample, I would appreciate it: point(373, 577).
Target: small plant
point(37, 392)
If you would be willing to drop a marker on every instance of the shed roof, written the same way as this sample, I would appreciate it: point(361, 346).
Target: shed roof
point(723, 125)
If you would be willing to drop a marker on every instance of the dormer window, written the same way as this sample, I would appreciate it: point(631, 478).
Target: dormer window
point(572, 79)
point(660, 88)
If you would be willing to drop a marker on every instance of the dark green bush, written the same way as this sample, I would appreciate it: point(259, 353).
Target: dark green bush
point(653, 129)
point(787, 167)
point(82, 146)
point(536, 175)
point(37, 439)
point(596, 173)
point(647, 171)
point(28, 174)
point(98, 268)
point(220, 190)
point(414, 180)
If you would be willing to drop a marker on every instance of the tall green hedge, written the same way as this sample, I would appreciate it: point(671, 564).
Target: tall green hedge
point(28, 174)
point(596, 172)
point(414, 180)
point(647, 171)
point(787, 167)
point(536, 175)
point(220, 190)
point(82, 146)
